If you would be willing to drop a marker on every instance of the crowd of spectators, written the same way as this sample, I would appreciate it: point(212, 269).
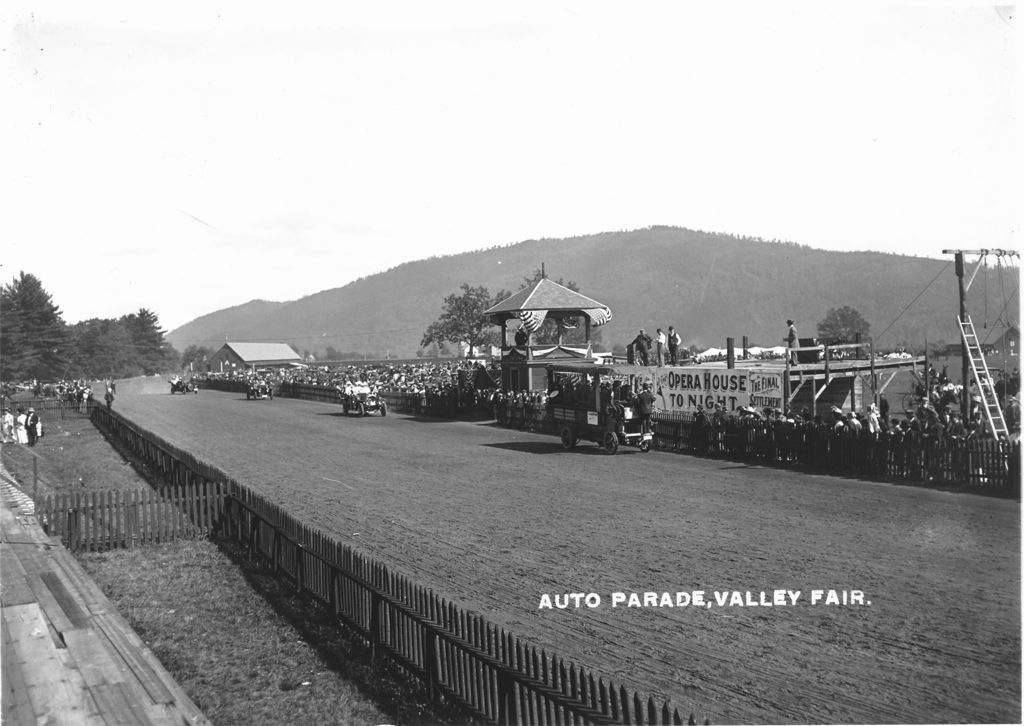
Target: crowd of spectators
point(446, 383)
point(20, 426)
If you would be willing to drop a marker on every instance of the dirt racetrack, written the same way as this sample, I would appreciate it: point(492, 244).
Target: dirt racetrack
point(495, 519)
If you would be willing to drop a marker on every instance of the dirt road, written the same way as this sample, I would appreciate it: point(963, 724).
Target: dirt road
point(496, 519)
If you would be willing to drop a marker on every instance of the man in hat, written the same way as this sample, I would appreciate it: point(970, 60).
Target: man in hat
point(641, 344)
point(31, 424)
point(1012, 416)
point(956, 428)
point(645, 407)
point(791, 341)
point(673, 345)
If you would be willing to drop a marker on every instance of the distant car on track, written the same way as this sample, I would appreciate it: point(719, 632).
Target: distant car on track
point(179, 385)
point(362, 401)
point(259, 390)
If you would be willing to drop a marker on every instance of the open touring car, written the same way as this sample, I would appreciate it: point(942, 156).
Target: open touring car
point(180, 385)
point(259, 390)
point(361, 401)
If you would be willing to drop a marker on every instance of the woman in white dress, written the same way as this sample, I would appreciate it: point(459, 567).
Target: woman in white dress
point(8, 426)
point(20, 432)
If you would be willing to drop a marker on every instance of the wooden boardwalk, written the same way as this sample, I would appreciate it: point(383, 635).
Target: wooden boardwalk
point(68, 656)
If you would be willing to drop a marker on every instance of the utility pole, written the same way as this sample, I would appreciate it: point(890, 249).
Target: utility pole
point(963, 287)
point(965, 363)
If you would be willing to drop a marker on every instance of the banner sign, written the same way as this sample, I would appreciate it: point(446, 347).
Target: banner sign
point(766, 390)
point(693, 387)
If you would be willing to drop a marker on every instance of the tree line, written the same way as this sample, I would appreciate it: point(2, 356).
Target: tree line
point(37, 344)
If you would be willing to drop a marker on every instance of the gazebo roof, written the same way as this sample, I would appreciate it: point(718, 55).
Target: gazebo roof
point(544, 295)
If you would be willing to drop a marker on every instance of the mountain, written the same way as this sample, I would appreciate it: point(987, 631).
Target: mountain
point(708, 285)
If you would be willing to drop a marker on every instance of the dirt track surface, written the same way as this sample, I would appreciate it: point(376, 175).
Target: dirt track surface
point(495, 518)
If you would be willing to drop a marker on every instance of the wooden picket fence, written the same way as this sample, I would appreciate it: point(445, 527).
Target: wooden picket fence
point(50, 409)
point(451, 651)
point(456, 654)
point(94, 520)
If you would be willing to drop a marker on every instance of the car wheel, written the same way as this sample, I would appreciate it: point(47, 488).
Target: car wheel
point(645, 446)
point(611, 442)
point(568, 438)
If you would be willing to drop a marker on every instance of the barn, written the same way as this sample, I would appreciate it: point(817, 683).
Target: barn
point(237, 357)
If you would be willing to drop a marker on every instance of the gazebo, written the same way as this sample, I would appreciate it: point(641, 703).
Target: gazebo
point(523, 364)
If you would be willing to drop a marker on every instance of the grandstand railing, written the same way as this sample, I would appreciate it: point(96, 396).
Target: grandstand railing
point(456, 654)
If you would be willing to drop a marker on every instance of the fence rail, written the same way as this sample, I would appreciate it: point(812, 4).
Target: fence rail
point(49, 409)
point(93, 520)
point(456, 654)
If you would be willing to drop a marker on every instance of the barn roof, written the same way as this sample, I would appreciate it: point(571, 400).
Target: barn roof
point(253, 353)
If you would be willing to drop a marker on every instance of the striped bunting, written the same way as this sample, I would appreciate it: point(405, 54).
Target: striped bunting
point(532, 319)
point(599, 316)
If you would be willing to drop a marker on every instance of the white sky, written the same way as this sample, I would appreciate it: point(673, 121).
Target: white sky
point(204, 154)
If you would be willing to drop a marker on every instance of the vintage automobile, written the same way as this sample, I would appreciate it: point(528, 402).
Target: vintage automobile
point(180, 385)
point(259, 390)
point(594, 402)
point(361, 401)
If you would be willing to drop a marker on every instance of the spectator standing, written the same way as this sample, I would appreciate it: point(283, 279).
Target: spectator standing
point(874, 422)
point(8, 427)
point(20, 434)
point(673, 345)
point(109, 397)
point(792, 340)
point(645, 407)
point(31, 427)
point(955, 428)
point(661, 340)
point(641, 345)
point(1013, 416)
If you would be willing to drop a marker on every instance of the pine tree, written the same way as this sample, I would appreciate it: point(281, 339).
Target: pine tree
point(34, 339)
point(150, 352)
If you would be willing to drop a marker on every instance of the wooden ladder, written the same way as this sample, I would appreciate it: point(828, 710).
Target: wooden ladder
point(983, 379)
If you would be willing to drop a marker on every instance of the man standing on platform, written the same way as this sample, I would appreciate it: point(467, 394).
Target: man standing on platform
point(641, 344)
point(673, 345)
point(661, 340)
point(792, 341)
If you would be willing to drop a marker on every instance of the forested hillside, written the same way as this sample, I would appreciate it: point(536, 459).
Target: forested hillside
point(710, 286)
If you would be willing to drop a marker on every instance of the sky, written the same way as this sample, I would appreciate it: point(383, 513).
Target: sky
point(197, 155)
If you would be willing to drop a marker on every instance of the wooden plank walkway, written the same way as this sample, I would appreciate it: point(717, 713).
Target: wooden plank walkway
point(68, 657)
